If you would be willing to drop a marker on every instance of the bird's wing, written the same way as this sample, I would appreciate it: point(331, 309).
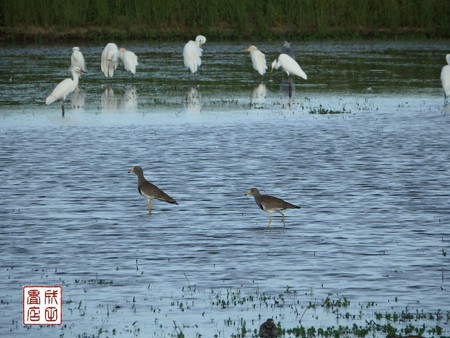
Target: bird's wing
point(133, 58)
point(162, 196)
point(129, 60)
point(291, 66)
point(259, 62)
point(110, 60)
point(275, 203)
point(152, 190)
point(78, 60)
point(104, 63)
point(191, 56)
point(60, 91)
point(445, 79)
point(82, 63)
point(111, 53)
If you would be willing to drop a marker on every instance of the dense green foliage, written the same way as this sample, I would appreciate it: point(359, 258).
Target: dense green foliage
point(224, 18)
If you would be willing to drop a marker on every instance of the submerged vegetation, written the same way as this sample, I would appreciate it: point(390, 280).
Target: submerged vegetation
point(233, 19)
point(242, 311)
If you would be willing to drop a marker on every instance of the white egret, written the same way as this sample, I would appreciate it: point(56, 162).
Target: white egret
point(445, 77)
point(258, 59)
point(129, 59)
point(289, 65)
point(110, 59)
point(64, 88)
point(77, 59)
point(192, 53)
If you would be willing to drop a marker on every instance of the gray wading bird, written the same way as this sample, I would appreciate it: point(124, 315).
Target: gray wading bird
point(270, 204)
point(149, 190)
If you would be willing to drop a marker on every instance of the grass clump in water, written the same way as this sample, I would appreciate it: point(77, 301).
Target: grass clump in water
point(324, 111)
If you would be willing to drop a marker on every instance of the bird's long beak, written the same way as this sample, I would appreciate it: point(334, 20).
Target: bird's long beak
point(83, 71)
point(248, 193)
point(131, 171)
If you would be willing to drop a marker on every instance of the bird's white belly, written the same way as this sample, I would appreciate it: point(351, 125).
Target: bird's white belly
point(143, 194)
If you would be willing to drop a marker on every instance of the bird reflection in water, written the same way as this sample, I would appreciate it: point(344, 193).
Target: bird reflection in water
point(259, 95)
point(287, 87)
point(129, 101)
point(78, 98)
point(109, 100)
point(193, 101)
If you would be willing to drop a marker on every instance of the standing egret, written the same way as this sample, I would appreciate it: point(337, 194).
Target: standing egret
point(64, 88)
point(445, 77)
point(129, 59)
point(77, 59)
point(192, 52)
point(289, 65)
point(258, 59)
point(110, 59)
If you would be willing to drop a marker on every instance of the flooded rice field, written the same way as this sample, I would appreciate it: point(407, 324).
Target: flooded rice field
point(363, 146)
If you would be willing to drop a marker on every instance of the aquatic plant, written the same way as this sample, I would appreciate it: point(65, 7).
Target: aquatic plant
point(324, 111)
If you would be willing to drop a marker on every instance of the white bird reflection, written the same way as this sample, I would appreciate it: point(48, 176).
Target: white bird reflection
point(129, 100)
point(111, 102)
point(193, 103)
point(108, 99)
point(259, 95)
point(78, 99)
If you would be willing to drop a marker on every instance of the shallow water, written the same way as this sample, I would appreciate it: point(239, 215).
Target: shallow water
point(372, 181)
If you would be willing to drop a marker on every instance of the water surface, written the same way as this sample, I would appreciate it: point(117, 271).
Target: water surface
point(372, 181)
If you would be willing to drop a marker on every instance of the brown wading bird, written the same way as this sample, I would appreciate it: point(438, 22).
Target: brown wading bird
point(268, 329)
point(271, 204)
point(149, 190)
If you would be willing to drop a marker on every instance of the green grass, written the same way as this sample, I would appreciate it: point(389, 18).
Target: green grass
point(232, 19)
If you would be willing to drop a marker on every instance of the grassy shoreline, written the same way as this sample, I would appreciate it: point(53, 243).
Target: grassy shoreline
point(37, 34)
point(159, 20)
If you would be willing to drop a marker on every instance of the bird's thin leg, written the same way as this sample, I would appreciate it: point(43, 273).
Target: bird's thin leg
point(282, 217)
point(149, 206)
point(290, 87)
point(62, 108)
point(270, 220)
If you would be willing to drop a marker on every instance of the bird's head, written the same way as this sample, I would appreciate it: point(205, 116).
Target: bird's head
point(77, 70)
point(252, 192)
point(136, 170)
point(250, 49)
point(200, 39)
point(274, 65)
